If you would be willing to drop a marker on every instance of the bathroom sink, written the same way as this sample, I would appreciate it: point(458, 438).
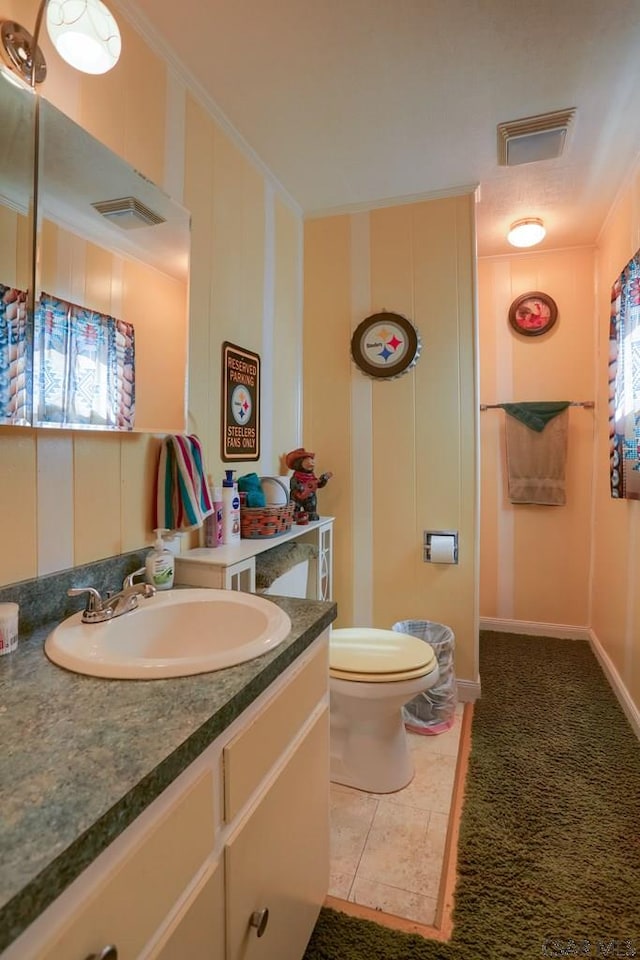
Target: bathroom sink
point(173, 634)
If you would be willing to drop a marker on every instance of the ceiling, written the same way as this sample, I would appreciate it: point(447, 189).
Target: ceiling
point(362, 102)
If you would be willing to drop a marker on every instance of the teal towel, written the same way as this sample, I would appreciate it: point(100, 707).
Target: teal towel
point(536, 415)
point(251, 485)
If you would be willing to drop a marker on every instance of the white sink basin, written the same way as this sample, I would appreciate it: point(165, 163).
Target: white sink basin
point(173, 634)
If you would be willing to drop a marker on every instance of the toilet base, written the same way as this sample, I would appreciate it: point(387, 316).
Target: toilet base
point(370, 753)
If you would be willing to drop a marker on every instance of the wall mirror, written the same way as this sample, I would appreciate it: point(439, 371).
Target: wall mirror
point(17, 116)
point(110, 285)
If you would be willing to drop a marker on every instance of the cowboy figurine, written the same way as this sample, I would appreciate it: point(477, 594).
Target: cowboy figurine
point(304, 483)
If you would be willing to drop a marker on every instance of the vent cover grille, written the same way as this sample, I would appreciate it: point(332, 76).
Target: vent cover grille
point(128, 213)
point(533, 138)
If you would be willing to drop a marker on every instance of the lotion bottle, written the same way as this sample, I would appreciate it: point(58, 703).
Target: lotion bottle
point(230, 510)
point(160, 564)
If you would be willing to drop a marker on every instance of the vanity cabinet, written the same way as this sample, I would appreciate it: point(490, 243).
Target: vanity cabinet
point(233, 567)
point(231, 861)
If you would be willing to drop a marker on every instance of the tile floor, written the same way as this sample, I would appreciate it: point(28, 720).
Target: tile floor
point(387, 850)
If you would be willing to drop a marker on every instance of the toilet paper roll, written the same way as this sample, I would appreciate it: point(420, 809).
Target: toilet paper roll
point(443, 549)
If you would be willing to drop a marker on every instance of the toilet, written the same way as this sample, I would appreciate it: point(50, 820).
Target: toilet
point(372, 674)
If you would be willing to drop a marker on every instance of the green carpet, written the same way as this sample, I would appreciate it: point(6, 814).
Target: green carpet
point(549, 851)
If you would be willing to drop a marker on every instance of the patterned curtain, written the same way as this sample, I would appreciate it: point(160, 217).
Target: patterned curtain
point(624, 383)
point(14, 405)
point(85, 367)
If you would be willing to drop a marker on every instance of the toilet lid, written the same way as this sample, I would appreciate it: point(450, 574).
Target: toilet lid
point(368, 652)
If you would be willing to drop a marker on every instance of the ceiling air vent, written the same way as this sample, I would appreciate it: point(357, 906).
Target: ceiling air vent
point(533, 138)
point(128, 213)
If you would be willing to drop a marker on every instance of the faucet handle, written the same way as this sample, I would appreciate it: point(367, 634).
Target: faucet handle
point(128, 580)
point(94, 600)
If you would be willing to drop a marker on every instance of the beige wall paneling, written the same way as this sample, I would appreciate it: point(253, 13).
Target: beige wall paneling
point(23, 252)
point(287, 335)
point(549, 552)
point(100, 267)
point(496, 384)
point(445, 426)
point(468, 618)
point(9, 251)
point(615, 611)
point(395, 543)
point(55, 489)
point(125, 108)
point(51, 261)
point(15, 256)
point(18, 494)
point(327, 425)
point(155, 304)
point(97, 496)
point(204, 401)
point(362, 502)
point(268, 348)
point(139, 463)
point(175, 137)
point(237, 265)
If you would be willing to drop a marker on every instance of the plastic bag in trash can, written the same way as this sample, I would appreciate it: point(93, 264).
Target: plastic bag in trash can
point(433, 711)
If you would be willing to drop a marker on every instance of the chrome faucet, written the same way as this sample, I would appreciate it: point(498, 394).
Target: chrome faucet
point(97, 609)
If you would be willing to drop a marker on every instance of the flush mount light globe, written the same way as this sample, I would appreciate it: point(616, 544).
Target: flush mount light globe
point(85, 34)
point(527, 232)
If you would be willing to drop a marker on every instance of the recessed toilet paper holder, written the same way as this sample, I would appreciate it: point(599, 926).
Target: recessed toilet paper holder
point(452, 535)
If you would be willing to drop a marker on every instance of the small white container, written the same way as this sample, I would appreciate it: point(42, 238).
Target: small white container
point(8, 627)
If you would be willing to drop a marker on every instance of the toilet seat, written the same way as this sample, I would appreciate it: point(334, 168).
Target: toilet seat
point(367, 655)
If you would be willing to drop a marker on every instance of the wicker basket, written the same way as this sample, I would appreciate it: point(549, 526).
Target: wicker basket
point(260, 523)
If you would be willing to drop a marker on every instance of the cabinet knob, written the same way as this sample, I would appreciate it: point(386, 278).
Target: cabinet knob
point(107, 953)
point(259, 920)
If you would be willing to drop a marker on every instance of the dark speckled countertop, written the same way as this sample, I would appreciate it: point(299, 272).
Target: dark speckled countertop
point(81, 757)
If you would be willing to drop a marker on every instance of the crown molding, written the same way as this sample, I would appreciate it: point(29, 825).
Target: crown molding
point(365, 205)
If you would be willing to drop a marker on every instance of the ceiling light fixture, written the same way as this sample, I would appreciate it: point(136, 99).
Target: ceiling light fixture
point(527, 232)
point(84, 33)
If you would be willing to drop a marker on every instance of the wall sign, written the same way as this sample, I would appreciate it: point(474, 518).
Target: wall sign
point(385, 345)
point(240, 439)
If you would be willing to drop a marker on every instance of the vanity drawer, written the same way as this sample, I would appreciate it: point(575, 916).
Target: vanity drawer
point(140, 888)
point(252, 753)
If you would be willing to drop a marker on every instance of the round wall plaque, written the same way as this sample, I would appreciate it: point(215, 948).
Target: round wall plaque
point(385, 345)
point(533, 314)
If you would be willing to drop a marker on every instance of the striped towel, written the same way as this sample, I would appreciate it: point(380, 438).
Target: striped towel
point(182, 493)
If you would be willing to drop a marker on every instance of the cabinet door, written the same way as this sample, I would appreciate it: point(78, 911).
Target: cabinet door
point(325, 562)
point(278, 860)
point(130, 902)
point(198, 933)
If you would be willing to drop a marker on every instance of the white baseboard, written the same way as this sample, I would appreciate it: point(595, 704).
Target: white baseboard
point(624, 697)
point(468, 690)
point(531, 628)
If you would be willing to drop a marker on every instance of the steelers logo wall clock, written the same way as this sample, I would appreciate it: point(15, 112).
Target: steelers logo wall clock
point(385, 345)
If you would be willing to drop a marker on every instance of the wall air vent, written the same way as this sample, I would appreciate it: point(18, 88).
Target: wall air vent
point(128, 213)
point(533, 138)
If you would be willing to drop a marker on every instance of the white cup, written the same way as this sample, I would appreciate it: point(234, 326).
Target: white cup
point(8, 627)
